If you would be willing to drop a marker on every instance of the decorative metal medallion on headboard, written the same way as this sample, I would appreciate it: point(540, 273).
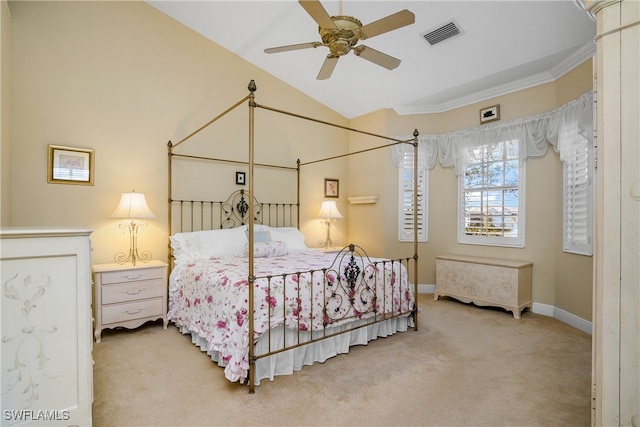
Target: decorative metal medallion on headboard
point(236, 210)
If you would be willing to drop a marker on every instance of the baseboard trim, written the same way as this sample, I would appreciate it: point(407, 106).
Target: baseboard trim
point(426, 289)
point(539, 308)
point(563, 316)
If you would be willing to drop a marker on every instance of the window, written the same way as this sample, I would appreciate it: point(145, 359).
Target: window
point(406, 190)
point(491, 192)
point(577, 195)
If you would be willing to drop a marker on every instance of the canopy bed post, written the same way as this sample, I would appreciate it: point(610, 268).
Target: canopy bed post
point(169, 193)
point(298, 195)
point(252, 105)
point(415, 222)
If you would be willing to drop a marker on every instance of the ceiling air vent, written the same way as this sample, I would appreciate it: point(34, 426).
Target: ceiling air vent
point(441, 33)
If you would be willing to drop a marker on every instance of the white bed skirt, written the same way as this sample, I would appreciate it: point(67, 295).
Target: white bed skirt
point(286, 362)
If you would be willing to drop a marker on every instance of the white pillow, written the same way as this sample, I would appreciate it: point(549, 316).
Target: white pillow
point(180, 246)
point(266, 249)
point(291, 236)
point(208, 243)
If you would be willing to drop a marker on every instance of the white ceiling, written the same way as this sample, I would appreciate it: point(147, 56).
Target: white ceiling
point(505, 46)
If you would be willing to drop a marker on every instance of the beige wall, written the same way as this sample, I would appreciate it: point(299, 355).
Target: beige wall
point(559, 279)
point(124, 79)
point(5, 114)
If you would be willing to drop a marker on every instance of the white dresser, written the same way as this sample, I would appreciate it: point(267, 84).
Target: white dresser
point(485, 281)
point(47, 367)
point(129, 295)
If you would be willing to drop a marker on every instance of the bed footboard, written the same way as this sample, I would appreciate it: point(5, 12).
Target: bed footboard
point(354, 292)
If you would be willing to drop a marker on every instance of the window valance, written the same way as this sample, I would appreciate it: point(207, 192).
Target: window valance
point(557, 128)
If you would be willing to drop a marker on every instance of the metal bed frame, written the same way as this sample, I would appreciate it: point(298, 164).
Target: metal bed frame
point(351, 265)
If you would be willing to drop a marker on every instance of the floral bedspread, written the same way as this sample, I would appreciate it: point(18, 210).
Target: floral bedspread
point(210, 298)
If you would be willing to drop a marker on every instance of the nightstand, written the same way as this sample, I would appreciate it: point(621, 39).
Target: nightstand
point(129, 295)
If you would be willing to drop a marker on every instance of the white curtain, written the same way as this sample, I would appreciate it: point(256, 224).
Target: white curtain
point(427, 151)
point(556, 128)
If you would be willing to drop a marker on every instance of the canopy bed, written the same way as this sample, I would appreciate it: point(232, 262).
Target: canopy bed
point(240, 269)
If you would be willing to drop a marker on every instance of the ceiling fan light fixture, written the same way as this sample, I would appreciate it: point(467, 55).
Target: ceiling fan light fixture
point(345, 31)
point(341, 33)
point(346, 22)
point(340, 47)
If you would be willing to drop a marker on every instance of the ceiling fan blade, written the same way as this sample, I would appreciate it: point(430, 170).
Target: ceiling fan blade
point(391, 22)
point(327, 67)
point(377, 57)
point(315, 9)
point(292, 47)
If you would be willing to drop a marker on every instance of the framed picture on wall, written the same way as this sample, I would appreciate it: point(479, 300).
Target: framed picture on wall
point(490, 114)
point(240, 178)
point(70, 165)
point(331, 187)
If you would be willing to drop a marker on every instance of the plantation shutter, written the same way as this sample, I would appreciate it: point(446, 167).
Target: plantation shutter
point(406, 214)
point(578, 199)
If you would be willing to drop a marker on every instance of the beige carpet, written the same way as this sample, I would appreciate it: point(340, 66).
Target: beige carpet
point(466, 366)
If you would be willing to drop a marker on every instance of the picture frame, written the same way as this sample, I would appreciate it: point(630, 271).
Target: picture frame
point(490, 114)
point(240, 178)
point(331, 188)
point(70, 165)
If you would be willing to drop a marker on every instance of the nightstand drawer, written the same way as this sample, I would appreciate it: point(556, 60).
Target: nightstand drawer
point(131, 311)
point(122, 292)
point(132, 275)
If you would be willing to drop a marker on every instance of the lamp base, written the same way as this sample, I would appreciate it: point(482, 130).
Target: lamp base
point(133, 256)
point(328, 242)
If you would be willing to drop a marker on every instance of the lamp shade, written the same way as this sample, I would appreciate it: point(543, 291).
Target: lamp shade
point(134, 206)
point(329, 210)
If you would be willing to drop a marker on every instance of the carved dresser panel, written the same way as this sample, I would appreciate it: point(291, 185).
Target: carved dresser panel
point(47, 367)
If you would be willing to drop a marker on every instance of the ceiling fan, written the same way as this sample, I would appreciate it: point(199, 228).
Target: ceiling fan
point(341, 33)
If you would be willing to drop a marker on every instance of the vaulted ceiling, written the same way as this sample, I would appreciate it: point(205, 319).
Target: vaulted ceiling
point(502, 46)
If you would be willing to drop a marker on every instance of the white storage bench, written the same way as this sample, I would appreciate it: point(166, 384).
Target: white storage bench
point(485, 281)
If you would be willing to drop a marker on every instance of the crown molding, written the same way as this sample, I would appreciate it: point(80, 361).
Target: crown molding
point(595, 6)
point(577, 58)
point(580, 56)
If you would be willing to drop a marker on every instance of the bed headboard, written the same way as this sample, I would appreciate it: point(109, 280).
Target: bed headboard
point(196, 215)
